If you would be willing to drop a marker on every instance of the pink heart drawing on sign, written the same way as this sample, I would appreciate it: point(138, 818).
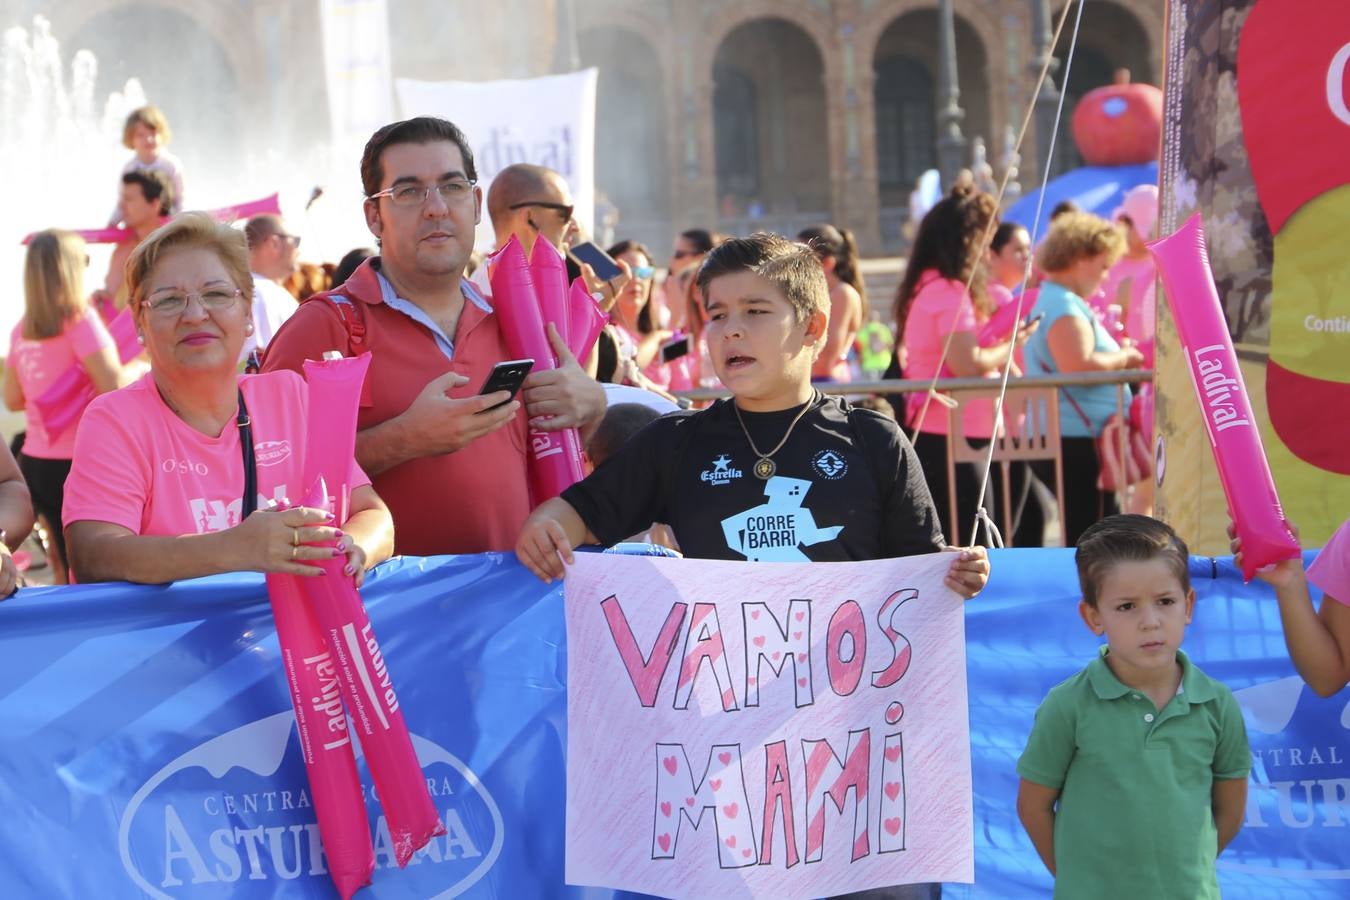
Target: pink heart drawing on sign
point(759, 641)
point(731, 842)
point(730, 810)
point(893, 825)
point(688, 801)
point(776, 654)
point(892, 754)
point(801, 657)
point(801, 616)
point(802, 682)
point(665, 808)
point(746, 853)
point(724, 758)
point(670, 764)
point(715, 783)
point(754, 614)
point(892, 790)
point(796, 635)
point(664, 841)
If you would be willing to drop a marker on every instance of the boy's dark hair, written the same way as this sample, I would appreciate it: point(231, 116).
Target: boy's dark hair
point(1127, 538)
point(791, 267)
point(154, 185)
point(620, 423)
point(420, 130)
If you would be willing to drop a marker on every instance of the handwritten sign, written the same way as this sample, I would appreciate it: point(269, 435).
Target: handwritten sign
point(787, 729)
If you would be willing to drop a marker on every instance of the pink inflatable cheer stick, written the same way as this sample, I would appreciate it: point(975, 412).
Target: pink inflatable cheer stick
point(585, 320)
point(368, 692)
point(555, 456)
point(1183, 263)
point(65, 398)
point(311, 675)
point(549, 274)
point(269, 204)
point(334, 385)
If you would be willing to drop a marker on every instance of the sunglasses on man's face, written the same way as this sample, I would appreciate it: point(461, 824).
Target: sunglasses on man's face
point(562, 209)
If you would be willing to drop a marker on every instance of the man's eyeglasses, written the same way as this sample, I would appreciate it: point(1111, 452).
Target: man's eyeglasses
point(416, 194)
point(211, 299)
point(562, 209)
point(292, 239)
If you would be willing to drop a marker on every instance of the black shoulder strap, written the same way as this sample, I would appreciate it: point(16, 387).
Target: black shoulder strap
point(250, 465)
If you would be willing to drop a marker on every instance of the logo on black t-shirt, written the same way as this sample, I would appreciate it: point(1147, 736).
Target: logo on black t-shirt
point(829, 464)
point(722, 472)
point(776, 530)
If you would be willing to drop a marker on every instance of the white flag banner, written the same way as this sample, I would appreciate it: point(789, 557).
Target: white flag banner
point(547, 121)
point(356, 68)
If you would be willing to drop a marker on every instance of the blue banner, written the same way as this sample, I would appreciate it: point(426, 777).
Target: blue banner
point(147, 746)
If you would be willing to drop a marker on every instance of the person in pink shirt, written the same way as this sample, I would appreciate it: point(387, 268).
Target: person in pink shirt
point(933, 305)
point(178, 475)
point(641, 336)
point(1132, 282)
point(1318, 639)
point(59, 331)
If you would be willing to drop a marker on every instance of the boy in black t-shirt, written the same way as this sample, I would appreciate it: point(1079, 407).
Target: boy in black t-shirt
point(777, 473)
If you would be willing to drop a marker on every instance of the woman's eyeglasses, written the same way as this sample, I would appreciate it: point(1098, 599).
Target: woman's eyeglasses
point(174, 304)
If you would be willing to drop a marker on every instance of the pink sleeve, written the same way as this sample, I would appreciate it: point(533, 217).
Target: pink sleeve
point(1330, 571)
point(89, 335)
point(357, 476)
point(14, 339)
point(107, 481)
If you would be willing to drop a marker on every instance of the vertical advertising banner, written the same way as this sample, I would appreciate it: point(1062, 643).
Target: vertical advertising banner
point(356, 68)
point(788, 730)
point(1257, 139)
point(547, 121)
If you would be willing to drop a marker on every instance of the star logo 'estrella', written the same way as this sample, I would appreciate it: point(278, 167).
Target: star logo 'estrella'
point(720, 463)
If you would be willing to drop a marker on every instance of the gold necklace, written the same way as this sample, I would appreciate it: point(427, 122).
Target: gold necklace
point(765, 467)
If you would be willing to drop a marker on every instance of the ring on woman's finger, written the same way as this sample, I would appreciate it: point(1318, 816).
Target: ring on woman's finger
point(294, 549)
point(295, 538)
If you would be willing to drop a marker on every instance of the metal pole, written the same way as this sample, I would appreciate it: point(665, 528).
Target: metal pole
point(951, 144)
point(566, 56)
point(1047, 100)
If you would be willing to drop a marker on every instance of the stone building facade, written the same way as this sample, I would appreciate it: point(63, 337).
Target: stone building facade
point(731, 114)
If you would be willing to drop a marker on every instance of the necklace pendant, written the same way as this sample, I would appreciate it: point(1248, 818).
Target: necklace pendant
point(764, 468)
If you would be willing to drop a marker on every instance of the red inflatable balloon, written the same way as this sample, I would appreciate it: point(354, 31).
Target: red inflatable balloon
point(1183, 263)
point(1119, 125)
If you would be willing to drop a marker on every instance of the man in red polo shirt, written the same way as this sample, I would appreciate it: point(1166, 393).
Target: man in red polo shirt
point(451, 469)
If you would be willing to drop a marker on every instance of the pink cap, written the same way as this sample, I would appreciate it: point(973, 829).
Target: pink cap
point(1141, 206)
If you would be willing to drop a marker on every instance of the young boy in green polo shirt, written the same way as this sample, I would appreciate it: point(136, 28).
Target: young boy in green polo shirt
point(1134, 777)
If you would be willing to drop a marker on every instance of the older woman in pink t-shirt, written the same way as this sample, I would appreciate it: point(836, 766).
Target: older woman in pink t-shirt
point(59, 332)
point(932, 304)
point(175, 476)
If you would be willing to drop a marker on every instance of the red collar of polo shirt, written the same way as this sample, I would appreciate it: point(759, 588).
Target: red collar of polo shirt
point(364, 285)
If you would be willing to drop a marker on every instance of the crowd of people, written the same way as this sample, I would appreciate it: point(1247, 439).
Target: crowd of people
point(158, 478)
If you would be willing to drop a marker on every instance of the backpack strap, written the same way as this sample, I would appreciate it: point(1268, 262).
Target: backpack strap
point(349, 311)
